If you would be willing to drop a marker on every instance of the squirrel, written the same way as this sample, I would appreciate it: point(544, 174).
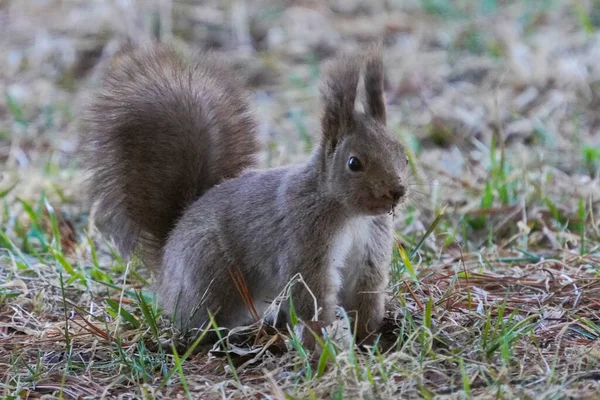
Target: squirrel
point(175, 179)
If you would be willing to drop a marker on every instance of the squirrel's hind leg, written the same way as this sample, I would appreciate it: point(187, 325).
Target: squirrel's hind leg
point(196, 280)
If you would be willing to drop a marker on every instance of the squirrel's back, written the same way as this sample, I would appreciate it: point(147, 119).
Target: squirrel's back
point(161, 131)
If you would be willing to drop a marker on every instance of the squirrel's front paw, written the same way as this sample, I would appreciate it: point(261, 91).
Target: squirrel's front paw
point(306, 332)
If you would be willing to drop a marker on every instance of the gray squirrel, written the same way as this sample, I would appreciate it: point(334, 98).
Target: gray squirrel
point(173, 172)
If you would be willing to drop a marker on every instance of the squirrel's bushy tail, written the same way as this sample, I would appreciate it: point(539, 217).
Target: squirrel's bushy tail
point(161, 131)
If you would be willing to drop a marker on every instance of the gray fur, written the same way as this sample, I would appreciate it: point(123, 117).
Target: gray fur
point(320, 219)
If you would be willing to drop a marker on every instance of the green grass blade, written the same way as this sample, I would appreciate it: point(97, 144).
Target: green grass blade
point(429, 231)
point(407, 263)
point(148, 313)
point(123, 313)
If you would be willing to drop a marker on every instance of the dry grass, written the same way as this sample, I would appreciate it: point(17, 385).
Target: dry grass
point(499, 105)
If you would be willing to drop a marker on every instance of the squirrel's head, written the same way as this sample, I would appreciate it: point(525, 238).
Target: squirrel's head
point(365, 165)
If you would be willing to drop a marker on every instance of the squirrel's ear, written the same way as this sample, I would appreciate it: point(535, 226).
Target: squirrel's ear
point(338, 94)
point(375, 100)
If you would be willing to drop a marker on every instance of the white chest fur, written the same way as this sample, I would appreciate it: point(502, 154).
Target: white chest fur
point(348, 251)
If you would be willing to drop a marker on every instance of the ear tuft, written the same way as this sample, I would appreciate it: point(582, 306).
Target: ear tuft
point(375, 100)
point(338, 94)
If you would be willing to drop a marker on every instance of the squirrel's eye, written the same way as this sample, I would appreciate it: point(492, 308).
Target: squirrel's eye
point(354, 164)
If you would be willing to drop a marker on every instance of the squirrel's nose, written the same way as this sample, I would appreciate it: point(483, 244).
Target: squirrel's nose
point(397, 193)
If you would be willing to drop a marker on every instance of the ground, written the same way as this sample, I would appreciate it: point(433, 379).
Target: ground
point(495, 289)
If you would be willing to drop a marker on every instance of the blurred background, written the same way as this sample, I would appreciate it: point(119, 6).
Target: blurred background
point(498, 91)
point(498, 104)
